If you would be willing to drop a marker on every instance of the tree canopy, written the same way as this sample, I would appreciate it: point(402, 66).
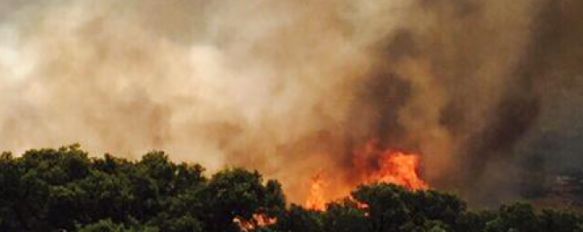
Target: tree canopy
point(66, 190)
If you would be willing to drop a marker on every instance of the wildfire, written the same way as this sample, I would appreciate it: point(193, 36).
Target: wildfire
point(258, 221)
point(373, 165)
point(399, 168)
point(317, 199)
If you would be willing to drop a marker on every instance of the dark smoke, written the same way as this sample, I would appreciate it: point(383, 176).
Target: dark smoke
point(491, 147)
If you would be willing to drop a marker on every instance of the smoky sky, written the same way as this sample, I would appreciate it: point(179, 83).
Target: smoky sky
point(486, 91)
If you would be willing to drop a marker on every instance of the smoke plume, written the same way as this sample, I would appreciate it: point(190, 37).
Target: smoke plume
point(292, 88)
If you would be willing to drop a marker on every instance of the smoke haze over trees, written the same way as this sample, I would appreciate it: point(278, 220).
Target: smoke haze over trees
point(487, 91)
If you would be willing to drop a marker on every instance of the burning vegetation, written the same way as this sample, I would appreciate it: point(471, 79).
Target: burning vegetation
point(389, 166)
point(372, 164)
point(257, 221)
point(317, 199)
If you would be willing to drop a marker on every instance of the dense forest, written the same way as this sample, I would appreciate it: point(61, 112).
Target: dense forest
point(66, 190)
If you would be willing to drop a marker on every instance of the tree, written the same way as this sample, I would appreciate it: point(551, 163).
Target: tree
point(345, 216)
point(238, 193)
point(107, 225)
point(63, 189)
point(386, 208)
point(516, 217)
point(297, 218)
point(560, 221)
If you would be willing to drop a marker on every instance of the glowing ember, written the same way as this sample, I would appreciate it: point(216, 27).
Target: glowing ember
point(317, 198)
point(258, 221)
point(264, 220)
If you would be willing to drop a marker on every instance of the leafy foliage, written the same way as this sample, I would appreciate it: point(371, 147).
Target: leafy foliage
point(66, 190)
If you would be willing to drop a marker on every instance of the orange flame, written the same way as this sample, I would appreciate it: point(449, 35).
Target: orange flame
point(264, 220)
point(258, 221)
point(399, 168)
point(317, 199)
point(373, 165)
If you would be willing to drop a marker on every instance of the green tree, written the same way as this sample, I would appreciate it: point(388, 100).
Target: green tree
point(345, 216)
point(386, 208)
point(108, 225)
point(238, 193)
point(297, 218)
point(560, 221)
point(474, 221)
point(515, 217)
point(63, 189)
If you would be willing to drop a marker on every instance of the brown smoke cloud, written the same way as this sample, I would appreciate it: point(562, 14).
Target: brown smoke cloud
point(293, 87)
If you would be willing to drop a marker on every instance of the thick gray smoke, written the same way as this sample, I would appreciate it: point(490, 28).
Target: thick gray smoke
point(480, 88)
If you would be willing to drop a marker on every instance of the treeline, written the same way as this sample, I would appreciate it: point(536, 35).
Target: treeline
point(65, 190)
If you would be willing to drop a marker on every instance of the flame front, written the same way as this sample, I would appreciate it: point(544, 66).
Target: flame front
point(373, 165)
point(317, 197)
point(399, 168)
